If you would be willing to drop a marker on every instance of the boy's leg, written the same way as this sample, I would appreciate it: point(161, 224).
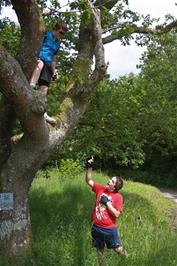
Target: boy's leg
point(44, 89)
point(50, 120)
point(44, 83)
point(36, 73)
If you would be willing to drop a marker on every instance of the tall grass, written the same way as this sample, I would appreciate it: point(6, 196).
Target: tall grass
point(60, 216)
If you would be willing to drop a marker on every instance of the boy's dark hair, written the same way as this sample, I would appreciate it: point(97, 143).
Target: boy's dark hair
point(60, 25)
point(119, 183)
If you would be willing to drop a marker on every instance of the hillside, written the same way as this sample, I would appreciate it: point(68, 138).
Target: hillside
point(60, 214)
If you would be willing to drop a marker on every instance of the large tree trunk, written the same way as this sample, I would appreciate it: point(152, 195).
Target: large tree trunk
point(16, 176)
point(24, 156)
point(15, 229)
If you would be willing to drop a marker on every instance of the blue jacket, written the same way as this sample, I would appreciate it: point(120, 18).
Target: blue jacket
point(50, 46)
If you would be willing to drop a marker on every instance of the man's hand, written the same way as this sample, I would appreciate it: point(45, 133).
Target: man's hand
point(88, 177)
point(104, 200)
point(89, 163)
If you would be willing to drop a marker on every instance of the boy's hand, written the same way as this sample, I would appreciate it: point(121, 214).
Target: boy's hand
point(54, 77)
point(89, 163)
point(104, 200)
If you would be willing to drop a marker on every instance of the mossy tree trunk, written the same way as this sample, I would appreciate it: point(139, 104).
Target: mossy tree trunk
point(21, 157)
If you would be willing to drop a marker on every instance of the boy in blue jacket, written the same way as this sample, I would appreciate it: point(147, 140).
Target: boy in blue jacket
point(46, 63)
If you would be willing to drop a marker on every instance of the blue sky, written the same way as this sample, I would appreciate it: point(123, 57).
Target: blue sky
point(123, 59)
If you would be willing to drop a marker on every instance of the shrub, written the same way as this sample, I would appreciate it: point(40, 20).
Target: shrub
point(69, 169)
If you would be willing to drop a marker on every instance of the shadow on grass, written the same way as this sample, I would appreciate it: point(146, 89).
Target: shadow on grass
point(64, 220)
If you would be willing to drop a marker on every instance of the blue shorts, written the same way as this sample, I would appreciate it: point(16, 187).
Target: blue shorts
point(108, 236)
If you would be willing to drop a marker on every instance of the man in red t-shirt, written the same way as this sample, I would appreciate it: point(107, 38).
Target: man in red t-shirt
point(108, 206)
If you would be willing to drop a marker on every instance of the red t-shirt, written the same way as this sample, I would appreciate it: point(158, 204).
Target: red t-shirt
point(100, 215)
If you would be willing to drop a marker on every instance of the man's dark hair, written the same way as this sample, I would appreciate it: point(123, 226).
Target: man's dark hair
point(60, 25)
point(119, 183)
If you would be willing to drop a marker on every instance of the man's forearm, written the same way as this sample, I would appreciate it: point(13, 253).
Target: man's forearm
point(112, 210)
point(88, 177)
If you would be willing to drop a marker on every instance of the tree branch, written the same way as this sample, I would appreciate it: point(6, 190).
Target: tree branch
point(109, 4)
point(7, 119)
point(133, 28)
point(28, 104)
point(100, 65)
point(32, 30)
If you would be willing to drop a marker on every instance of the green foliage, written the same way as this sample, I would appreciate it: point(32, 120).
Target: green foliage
point(152, 176)
point(158, 81)
point(108, 129)
point(69, 169)
point(9, 36)
point(132, 121)
point(65, 169)
point(62, 237)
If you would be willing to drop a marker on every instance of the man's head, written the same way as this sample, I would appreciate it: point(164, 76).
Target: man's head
point(60, 29)
point(115, 183)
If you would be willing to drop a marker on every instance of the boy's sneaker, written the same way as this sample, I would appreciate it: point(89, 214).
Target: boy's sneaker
point(49, 119)
point(33, 86)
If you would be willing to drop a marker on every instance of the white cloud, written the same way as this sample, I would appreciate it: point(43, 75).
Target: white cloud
point(122, 59)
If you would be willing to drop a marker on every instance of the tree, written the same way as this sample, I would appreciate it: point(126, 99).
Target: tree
point(158, 83)
point(21, 157)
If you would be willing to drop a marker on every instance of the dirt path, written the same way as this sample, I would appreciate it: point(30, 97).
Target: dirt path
point(171, 194)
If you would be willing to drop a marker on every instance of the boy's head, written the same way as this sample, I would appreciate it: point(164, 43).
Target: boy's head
point(60, 25)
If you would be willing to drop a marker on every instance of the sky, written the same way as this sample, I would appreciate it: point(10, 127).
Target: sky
point(123, 59)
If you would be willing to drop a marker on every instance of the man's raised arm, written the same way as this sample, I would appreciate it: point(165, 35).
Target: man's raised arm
point(88, 176)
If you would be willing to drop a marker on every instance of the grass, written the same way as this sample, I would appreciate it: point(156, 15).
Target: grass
point(60, 217)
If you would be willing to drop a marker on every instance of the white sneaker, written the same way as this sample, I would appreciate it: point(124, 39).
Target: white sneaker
point(33, 86)
point(49, 119)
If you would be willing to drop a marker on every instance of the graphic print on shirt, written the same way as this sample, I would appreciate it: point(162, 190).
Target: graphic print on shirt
point(100, 209)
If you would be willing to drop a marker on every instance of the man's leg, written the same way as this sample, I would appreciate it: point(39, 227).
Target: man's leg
point(121, 250)
point(100, 254)
point(98, 242)
point(36, 73)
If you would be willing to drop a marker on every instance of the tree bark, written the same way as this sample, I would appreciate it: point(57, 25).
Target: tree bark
point(15, 227)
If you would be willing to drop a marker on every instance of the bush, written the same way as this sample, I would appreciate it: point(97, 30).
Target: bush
point(69, 169)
